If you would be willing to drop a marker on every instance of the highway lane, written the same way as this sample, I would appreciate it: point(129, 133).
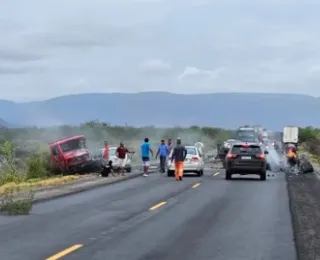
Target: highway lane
point(201, 218)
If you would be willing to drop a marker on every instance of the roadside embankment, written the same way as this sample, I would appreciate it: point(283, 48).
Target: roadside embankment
point(304, 194)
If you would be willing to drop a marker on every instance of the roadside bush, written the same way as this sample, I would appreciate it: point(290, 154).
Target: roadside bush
point(9, 201)
point(310, 138)
point(308, 134)
point(38, 166)
point(17, 204)
point(9, 171)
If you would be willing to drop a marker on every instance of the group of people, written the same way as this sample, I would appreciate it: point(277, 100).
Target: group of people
point(179, 154)
point(121, 154)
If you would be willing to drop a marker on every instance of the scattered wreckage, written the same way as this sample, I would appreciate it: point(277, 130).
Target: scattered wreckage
point(71, 155)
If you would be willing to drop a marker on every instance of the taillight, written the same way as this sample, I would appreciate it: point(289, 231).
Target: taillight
point(230, 155)
point(195, 159)
point(260, 156)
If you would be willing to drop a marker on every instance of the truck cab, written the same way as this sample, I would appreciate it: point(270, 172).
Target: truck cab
point(69, 154)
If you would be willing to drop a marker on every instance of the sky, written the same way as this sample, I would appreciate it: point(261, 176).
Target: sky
point(59, 47)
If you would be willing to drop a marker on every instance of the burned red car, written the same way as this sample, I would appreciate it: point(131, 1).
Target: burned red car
point(70, 154)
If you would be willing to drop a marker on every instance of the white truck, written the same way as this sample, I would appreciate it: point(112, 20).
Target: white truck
point(290, 135)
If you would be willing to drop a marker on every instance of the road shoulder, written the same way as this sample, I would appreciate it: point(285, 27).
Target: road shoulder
point(73, 188)
point(304, 194)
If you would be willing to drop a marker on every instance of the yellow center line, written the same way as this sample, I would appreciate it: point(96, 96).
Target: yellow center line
point(196, 185)
point(217, 173)
point(158, 205)
point(64, 252)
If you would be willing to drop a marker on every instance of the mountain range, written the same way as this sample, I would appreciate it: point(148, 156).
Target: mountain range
point(227, 110)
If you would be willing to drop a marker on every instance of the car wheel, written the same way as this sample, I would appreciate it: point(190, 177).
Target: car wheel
point(199, 174)
point(170, 173)
point(228, 175)
point(263, 176)
point(268, 167)
point(128, 169)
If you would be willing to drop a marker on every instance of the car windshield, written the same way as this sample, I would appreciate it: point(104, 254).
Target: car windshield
point(249, 139)
point(72, 145)
point(112, 152)
point(191, 151)
point(237, 149)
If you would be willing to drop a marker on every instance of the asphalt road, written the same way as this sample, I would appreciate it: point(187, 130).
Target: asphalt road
point(199, 218)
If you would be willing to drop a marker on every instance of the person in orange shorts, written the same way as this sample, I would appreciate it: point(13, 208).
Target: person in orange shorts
point(179, 154)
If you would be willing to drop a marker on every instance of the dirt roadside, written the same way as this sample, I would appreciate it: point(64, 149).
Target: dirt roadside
point(304, 195)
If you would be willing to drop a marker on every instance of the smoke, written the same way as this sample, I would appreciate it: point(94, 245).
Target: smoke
point(95, 135)
point(274, 159)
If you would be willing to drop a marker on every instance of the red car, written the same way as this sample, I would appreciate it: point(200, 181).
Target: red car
point(69, 154)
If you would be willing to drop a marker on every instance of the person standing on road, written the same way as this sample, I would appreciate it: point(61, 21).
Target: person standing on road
point(170, 146)
point(121, 153)
point(145, 153)
point(106, 158)
point(164, 152)
point(179, 154)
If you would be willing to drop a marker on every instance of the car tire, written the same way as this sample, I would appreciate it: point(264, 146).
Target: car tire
point(128, 169)
point(170, 173)
point(199, 173)
point(268, 167)
point(228, 175)
point(263, 176)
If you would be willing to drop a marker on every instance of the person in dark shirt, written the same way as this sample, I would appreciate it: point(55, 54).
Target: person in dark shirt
point(179, 154)
point(121, 153)
point(106, 166)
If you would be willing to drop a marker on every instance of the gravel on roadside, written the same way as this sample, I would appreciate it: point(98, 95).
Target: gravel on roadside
point(304, 195)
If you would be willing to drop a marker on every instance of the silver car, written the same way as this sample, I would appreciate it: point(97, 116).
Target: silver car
point(193, 163)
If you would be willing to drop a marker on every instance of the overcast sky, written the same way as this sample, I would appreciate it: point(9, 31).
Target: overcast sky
point(50, 48)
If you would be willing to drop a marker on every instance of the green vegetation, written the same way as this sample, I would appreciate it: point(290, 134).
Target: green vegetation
point(25, 160)
point(309, 138)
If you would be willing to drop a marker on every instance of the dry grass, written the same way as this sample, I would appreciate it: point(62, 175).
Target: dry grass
point(31, 184)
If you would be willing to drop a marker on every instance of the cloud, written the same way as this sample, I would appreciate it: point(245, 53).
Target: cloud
point(90, 46)
point(18, 55)
point(79, 36)
point(155, 66)
point(198, 74)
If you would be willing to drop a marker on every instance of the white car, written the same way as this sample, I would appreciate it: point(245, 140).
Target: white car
point(113, 157)
point(193, 162)
point(228, 143)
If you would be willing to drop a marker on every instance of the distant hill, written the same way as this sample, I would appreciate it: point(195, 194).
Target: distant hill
point(4, 124)
point(166, 109)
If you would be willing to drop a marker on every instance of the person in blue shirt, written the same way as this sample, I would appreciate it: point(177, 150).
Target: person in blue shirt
point(163, 150)
point(145, 153)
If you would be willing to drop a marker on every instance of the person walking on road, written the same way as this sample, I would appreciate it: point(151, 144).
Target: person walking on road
point(164, 152)
point(121, 153)
point(179, 154)
point(145, 153)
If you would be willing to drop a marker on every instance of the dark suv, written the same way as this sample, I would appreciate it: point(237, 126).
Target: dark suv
point(246, 158)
